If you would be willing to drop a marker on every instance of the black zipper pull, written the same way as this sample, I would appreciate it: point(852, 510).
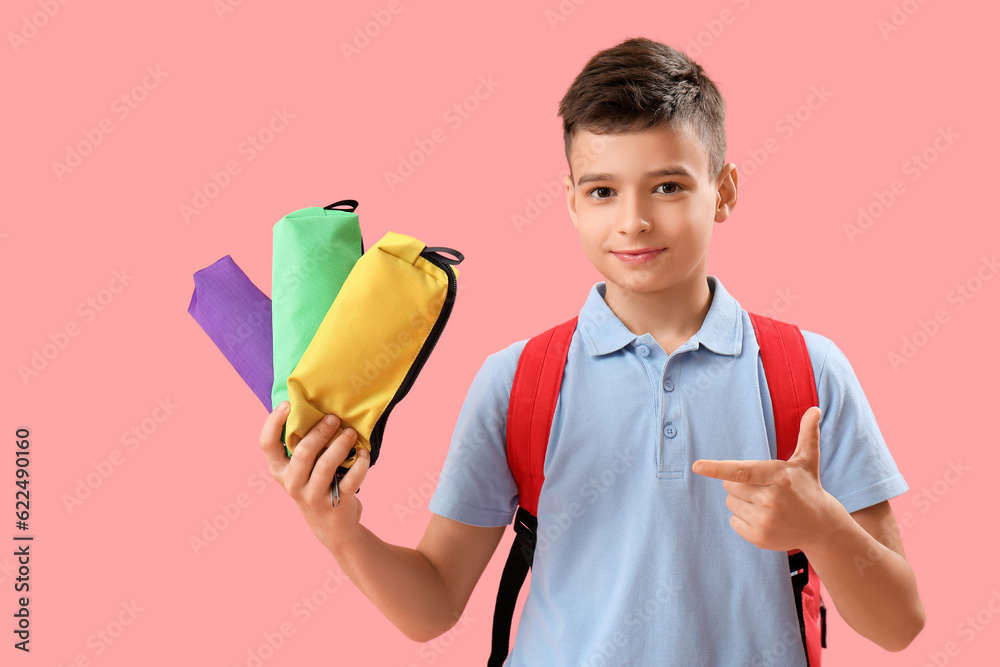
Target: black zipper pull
point(446, 260)
point(353, 203)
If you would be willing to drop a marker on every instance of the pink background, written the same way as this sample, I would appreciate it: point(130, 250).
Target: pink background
point(65, 235)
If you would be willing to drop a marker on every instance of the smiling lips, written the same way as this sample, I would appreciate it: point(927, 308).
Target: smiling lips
point(640, 256)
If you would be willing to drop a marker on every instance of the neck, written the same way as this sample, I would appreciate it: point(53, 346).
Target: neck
point(674, 313)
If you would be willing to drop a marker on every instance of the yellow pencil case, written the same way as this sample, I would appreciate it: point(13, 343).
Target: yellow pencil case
point(373, 341)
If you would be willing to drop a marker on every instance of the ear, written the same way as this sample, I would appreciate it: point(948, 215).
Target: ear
point(727, 185)
point(571, 198)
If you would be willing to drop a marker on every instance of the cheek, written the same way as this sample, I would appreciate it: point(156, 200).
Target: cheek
point(590, 237)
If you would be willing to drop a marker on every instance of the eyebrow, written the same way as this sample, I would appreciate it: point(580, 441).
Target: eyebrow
point(668, 171)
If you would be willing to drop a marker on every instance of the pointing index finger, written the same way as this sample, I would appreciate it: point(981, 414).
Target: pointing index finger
point(747, 472)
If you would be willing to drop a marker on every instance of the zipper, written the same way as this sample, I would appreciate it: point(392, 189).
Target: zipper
point(444, 264)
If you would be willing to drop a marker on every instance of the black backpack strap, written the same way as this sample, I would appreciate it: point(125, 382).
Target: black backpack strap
point(515, 570)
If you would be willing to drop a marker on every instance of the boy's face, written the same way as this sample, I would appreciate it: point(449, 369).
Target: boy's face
point(617, 205)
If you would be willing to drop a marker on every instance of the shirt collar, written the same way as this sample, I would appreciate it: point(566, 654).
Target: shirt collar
point(603, 332)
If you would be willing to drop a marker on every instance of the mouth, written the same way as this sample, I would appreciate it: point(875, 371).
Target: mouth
point(638, 256)
point(639, 251)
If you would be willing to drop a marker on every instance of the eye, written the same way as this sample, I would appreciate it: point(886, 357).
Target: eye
point(593, 190)
point(676, 185)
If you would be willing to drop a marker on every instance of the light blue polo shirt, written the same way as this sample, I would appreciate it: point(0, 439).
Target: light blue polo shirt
point(636, 562)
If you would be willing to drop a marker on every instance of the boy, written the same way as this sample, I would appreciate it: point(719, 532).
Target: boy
point(644, 556)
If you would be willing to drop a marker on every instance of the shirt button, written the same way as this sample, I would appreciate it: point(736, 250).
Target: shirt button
point(668, 385)
point(643, 350)
point(669, 430)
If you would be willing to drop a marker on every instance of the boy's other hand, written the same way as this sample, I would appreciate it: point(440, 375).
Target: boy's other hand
point(308, 474)
point(780, 505)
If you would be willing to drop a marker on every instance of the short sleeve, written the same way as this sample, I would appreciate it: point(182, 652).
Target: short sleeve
point(476, 486)
point(855, 464)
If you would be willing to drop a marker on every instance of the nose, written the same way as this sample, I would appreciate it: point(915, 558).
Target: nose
point(632, 218)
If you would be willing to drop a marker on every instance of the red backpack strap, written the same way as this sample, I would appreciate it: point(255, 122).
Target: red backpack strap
point(792, 387)
point(789, 377)
point(533, 397)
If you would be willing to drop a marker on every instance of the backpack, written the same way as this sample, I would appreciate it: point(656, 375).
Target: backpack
point(533, 396)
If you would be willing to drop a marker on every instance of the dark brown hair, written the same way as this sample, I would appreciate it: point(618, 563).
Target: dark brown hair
point(640, 84)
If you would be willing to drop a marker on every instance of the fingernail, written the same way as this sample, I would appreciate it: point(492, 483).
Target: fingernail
point(283, 406)
point(330, 419)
